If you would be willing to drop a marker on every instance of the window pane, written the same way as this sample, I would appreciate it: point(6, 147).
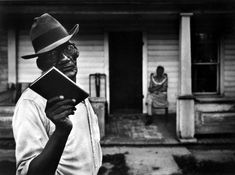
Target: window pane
point(204, 78)
point(204, 48)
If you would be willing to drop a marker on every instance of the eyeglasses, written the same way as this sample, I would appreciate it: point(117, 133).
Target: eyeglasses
point(68, 49)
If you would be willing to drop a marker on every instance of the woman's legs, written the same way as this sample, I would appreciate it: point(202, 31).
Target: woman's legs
point(149, 104)
point(149, 118)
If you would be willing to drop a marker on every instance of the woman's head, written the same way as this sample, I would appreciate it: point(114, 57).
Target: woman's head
point(160, 70)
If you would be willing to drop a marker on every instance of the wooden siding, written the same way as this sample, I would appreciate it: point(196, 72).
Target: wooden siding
point(3, 60)
point(27, 69)
point(163, 49)
point(91, 60)
point(217, 115)
point(214, 117)
point(229, 65)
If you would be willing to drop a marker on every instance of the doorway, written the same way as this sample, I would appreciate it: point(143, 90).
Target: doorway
point(125, 63)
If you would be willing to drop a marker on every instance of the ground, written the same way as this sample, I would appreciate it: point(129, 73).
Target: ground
point(158, 160)
point(132, 148)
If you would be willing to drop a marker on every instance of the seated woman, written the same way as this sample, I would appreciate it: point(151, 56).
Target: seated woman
point(157, 92)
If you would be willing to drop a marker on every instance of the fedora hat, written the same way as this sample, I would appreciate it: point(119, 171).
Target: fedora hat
point(47, 33)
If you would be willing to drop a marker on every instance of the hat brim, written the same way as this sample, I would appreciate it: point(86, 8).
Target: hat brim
point(54, 45)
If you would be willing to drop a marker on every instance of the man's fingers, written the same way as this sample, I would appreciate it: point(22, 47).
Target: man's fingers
point(59, 103)
point(55, 99)
point(63, 115)
point(66, 102)
point(64, 108)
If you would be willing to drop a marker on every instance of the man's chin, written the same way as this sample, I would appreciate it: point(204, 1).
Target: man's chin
point(71, 75)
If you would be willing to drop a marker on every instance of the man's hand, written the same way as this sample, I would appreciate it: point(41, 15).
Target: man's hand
point(58, 109)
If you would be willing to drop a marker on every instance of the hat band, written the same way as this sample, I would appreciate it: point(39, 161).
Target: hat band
point(49, 38)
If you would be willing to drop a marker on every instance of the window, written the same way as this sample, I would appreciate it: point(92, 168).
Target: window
point(205, 64)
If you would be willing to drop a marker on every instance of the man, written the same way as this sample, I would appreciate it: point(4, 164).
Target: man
point(157, 96)
point(55, 136)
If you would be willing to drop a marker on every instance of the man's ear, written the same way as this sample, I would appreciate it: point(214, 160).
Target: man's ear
point(42, 64)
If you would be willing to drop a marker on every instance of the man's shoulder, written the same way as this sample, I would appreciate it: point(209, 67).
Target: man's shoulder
point(28, 105)
point(30, 95)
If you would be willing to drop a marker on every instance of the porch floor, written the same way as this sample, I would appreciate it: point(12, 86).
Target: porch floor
point(130, 129)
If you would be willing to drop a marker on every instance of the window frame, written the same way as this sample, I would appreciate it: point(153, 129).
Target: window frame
point(218, 67)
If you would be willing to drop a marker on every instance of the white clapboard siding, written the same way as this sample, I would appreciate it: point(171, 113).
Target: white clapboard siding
point(163, 49)
point(91, 60)
point(27, 69)
point(229, 65)
point(3, 60)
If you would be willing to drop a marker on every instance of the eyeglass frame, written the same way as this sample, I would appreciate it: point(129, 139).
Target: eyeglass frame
point(57, 52)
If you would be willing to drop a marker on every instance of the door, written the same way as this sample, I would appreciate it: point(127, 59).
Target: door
point(125, 62)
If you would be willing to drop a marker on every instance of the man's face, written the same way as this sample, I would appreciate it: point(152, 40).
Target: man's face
point(64, 58)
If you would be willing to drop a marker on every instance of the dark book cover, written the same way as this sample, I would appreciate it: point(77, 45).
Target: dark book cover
point(54, 83)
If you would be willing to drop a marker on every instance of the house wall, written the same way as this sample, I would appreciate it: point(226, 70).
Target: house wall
point(27, 69)
point(163, 49)
point(213, 117)
point(217, 114)
point(91, 59)
point(3, 60)
point(229, 63)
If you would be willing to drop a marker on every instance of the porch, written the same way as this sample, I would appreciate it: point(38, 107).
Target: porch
point(130, 129)
point(126, 130)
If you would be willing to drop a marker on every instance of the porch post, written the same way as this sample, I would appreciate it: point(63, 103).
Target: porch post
point(185, 102)
point(12, 77)
point(145, 72)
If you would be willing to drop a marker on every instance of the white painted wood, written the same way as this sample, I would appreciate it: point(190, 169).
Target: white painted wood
point(12, 61)
point(27, 69)
point(229, 65)
point(106, 68)
point(163, 49)
point(186, 117)
point(92, 60)
point(144, 72)
point(185, 56)
point(185, 108)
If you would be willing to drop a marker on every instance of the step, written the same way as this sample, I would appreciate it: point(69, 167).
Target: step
point(6, 111)
point(7, 155)
point(6, 127)
point(6, 121)
point(6, 133)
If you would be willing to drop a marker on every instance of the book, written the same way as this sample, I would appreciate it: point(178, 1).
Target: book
point(55, 83)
